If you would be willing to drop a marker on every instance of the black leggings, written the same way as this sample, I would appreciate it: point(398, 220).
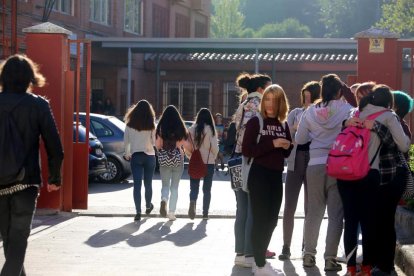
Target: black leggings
point(266, 191)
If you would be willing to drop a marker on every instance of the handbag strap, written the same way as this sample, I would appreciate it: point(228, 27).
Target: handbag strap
point(238, 130)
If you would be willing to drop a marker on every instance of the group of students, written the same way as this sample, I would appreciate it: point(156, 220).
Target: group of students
point(267, 135)
point(172, 141)
point(327, 107)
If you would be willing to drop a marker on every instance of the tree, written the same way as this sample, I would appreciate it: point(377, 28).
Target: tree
point(345, 18)
point(398, 17)
point(260, 12)
point(227, 21)
point(288, 28)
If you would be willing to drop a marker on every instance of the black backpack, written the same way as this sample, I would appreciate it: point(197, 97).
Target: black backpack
point(12, 149)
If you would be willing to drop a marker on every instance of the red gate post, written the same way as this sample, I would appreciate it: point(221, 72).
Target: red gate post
point(47, 45)
point(378, 57)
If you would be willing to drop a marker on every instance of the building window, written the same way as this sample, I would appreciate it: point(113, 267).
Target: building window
point(133, 16)
point(188, 97)
point(63, 6)
point(230, 99)
point(182, 26)
point(99, 11)
point(200, 29)
point(160, 21)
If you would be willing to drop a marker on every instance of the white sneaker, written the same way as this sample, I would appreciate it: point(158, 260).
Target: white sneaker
point(268, 270)
point(171, 216)
point(248, 262)
point(239, 260)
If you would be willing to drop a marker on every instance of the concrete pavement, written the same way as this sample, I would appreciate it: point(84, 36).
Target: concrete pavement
point(104, 240)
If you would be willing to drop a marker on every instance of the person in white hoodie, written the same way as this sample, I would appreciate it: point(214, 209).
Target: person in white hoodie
point(320, 124)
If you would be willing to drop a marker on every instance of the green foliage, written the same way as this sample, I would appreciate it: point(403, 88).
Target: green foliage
point(227, 20)
point(288, 28)
point(398, 17)
point(345, 18)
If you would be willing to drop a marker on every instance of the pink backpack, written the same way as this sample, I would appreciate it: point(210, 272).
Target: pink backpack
point(348, 157)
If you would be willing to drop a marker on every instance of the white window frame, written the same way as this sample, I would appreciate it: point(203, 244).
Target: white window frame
point(60, 4)
point(229, 89)
point(133, 14)
point(103, 8)
point(181, 85)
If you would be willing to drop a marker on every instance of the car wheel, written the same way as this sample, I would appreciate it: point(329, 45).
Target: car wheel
point(114, 172)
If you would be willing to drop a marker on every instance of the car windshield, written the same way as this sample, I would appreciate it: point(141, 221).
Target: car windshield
point(117, 122)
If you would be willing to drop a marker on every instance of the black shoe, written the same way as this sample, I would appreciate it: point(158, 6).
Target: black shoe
point(285, 255)
point(148, 210)
point(205, 217)
point(192, 209)
point(137, 217)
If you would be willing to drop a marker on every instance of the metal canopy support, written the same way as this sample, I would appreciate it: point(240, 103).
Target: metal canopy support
point(256, 62)
point(128, 99)
point(157, 85)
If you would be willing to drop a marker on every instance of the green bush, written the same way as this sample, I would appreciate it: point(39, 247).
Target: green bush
point(410, 202)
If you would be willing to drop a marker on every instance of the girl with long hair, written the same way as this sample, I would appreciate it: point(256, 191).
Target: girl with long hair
point(171, 134)
point(296, 166)
point(265, 184)
point(320, 124)
point(203, 136)
point(254, 86)
point(139, 140)
point(384, 183)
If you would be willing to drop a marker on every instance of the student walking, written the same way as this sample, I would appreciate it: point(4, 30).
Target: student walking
point(171, 134)
point(265, 177)
point(296, 166)
point(321, 123)
point(33, 119)
point(139, 140)
point(249, 108)
point(202, 136)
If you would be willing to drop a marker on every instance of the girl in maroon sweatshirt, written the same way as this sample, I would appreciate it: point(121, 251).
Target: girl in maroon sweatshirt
point(265, 176)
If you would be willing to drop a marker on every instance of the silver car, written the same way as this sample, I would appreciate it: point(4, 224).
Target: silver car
point(110, 131)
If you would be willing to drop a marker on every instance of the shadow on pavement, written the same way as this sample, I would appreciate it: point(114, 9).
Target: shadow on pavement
point(159, 232)
point(98, 188)
point(105, 238)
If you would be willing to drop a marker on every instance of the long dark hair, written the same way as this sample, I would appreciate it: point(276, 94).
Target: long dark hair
point(380, 96)
point(252, 82)
point(171, 127)
point(19, 73)
point(331, 84)
point(140, 116)
point(204, 118)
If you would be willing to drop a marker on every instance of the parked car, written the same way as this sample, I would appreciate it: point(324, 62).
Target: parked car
point(97, 159)
point(110, 131)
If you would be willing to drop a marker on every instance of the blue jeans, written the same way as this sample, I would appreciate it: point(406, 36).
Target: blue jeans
point(16, 215)
point(207, 182)
point(170, 178)
point(243, 223)
point(142, 163)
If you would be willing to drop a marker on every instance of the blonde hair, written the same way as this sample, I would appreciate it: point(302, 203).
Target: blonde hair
point(280, 102)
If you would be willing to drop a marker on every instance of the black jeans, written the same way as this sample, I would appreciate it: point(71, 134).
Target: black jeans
point(16, 215)
point(358, 198)
point(387, 200)
point(266, 192)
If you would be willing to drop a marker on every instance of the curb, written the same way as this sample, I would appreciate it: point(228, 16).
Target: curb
point(404, 258)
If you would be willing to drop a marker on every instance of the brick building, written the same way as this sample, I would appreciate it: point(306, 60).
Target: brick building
point(189, 79)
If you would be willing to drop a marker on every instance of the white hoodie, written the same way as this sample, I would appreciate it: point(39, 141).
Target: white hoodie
point(321, 124)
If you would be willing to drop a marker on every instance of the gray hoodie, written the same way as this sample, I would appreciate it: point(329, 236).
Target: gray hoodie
point(321, 124)
point(390, 120)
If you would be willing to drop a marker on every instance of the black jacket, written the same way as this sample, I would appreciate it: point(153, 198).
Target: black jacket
point(34, 119)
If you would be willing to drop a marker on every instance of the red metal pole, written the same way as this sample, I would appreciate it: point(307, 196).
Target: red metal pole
point(14, 27)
